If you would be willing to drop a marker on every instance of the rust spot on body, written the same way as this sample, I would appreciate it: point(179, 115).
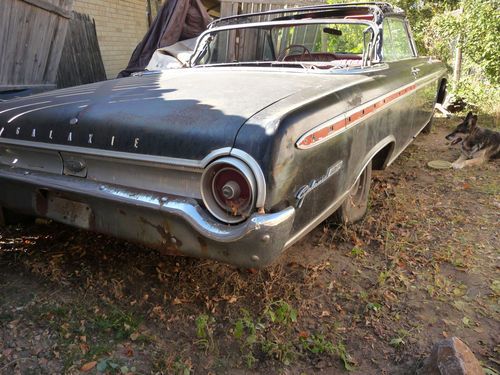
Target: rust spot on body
point(203, 246)
point(170, 245)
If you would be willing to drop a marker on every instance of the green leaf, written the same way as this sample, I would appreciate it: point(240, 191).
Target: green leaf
point(397, 342)
point(102, 366)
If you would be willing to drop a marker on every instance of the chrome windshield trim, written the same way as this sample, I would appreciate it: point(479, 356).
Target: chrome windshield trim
point(203, 40)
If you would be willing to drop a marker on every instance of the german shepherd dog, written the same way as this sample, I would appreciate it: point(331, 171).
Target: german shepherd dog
point(478, 145)
point(462, 130)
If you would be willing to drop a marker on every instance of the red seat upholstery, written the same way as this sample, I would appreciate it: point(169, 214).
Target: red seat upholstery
point(310, 57)
point(322, 57)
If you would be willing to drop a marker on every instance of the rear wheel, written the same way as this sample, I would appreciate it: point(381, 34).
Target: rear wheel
point(354, 207)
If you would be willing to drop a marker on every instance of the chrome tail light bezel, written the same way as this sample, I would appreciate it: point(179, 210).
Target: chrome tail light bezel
point(214, 204)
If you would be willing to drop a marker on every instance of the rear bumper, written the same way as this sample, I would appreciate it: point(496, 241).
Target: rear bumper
point(173, 224)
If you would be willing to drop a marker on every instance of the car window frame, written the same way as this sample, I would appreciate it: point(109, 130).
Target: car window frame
point(408, 33)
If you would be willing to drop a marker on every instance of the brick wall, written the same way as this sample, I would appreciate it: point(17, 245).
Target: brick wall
point(120, 25)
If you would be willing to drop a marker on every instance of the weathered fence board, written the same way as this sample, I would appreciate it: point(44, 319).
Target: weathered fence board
point(32, 34)
point(243, 40)
point(81, 60)
point(235, 7)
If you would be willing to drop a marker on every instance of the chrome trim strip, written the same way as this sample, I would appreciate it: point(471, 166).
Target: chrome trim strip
point(23, 106)
point(169, 161)
point(322, 126)
point(45, 107)
point(420, 83)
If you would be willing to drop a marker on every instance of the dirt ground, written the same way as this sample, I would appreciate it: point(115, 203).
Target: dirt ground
point(371, 298)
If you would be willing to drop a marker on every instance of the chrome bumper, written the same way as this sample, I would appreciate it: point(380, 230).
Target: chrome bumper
point(173, 224)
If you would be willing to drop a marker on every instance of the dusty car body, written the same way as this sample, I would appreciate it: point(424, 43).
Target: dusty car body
point(238, 156)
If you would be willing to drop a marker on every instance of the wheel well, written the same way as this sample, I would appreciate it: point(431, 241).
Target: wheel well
point(381, 158)
point(441, 94)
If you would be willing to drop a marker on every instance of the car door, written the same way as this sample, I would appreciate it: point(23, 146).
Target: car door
point(399, 53)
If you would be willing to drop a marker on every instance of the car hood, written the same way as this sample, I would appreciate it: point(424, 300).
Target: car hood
point(185, 113)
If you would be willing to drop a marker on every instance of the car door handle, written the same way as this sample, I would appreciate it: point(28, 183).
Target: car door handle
point(415, 71)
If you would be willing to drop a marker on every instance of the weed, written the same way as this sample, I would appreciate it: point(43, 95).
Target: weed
point(345, 357)
point(245, 329)
point(357, 252)
point(249, 359)
point(180, 367)
point(317, 344)
point(120, 323)
point(280, 312)
point(204, 331)
point(108, 365)
point(281, 351)
point(373, 306)
point(399, 340)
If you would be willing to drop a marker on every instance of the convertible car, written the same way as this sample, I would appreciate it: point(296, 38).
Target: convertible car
point(275, 125)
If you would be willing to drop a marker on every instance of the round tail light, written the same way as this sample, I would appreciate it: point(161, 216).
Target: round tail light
point(228, 190)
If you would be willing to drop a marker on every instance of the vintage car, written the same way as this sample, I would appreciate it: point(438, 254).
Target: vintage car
point(275, 125)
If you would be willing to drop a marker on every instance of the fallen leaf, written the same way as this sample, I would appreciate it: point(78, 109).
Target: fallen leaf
point(304, 334)
point(88, 366)
point(134, 336)
point(128, 351)
point(84, 348)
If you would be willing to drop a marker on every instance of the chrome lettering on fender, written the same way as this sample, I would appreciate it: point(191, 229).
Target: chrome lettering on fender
point(70, 137)
point(306, 189)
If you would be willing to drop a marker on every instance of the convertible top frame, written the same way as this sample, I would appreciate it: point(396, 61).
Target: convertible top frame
point(203, 39)
point(379, 9)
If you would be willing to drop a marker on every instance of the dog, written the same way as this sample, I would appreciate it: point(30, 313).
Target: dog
point(462, 130)
point(478, 145)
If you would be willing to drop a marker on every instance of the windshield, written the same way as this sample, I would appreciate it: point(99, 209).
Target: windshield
point(322, 44)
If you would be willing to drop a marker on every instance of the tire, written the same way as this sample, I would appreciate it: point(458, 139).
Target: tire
point(355, 205)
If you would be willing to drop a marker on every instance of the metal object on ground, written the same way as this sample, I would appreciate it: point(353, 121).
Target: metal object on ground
point(439, 164)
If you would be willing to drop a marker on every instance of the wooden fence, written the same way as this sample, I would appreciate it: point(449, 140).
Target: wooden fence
point(234, 7)
point(240, 43)
point(81, 60)
point(32, 34)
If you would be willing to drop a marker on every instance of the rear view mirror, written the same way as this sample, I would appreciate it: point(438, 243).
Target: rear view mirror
point(329, 30)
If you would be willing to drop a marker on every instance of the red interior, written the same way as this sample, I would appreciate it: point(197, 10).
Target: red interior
point(322, 56)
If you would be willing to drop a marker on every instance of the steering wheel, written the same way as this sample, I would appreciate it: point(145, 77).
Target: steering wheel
point(283, 54)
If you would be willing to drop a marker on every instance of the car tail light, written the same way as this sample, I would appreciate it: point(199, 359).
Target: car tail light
point(228, 190)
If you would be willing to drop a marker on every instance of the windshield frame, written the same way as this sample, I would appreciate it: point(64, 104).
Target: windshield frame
point(369, 56)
